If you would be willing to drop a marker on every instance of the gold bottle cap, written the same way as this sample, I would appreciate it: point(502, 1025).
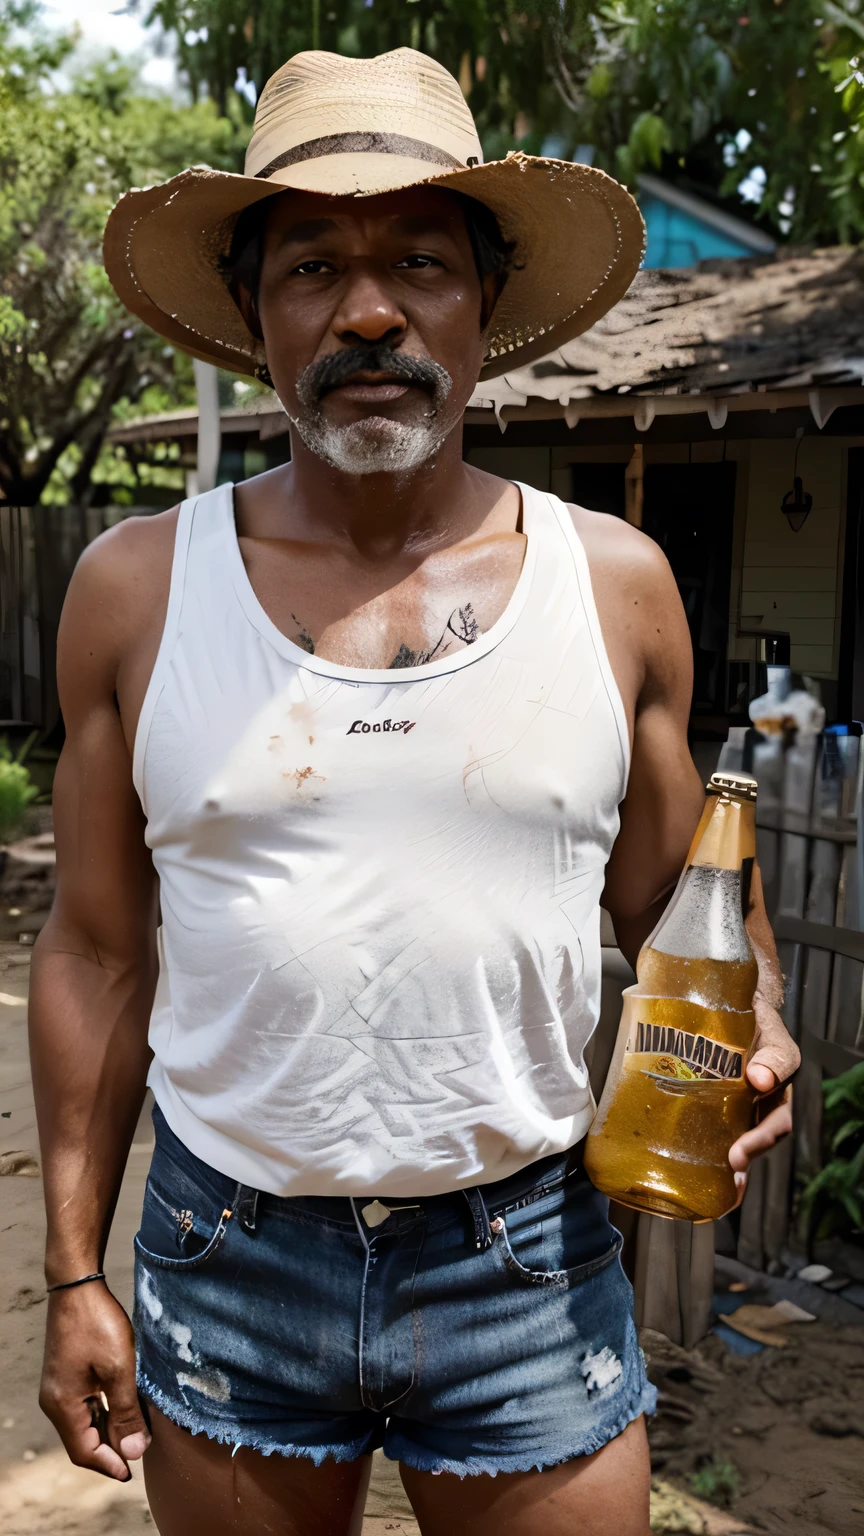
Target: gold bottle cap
point(740, 785)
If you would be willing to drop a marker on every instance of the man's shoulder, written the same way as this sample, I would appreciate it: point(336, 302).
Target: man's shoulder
point(618, 544)
point(621, 554)
point(120, 585)
point(129, 563)
point(118, 553)
point(637, 598)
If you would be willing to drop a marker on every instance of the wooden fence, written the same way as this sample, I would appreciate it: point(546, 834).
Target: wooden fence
point(39, 547)
point(21, 667)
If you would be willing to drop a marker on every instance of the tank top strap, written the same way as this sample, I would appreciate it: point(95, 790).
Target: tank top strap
point(561, 549)
point(200, 521)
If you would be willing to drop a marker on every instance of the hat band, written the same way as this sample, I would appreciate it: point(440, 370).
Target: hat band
point(361, 144)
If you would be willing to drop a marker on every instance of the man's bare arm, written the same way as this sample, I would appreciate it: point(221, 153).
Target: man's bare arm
point(94, 970)
point(665, 797)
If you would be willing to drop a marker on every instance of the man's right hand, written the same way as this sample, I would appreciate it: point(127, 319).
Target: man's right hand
point(90, 1350)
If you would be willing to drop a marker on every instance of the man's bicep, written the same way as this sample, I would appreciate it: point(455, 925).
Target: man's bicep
point(106, 887)
point(664, 795)
point(105, 878)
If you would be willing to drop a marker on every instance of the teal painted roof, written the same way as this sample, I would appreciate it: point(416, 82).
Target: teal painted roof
point(684, 230)
point(677, 239)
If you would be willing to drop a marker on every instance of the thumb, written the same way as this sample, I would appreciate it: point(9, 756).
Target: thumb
point(762, 1071)
point(776, 1057)
point(127, 1430)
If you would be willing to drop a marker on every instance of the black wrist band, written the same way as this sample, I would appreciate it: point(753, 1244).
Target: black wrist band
point(69, 1285)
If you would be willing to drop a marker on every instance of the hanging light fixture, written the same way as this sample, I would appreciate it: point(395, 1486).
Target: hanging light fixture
point(796, 504)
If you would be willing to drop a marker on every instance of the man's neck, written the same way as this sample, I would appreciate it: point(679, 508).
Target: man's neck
point(378, 515)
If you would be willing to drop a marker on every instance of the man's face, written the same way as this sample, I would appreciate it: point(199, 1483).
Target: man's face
point(371, 312)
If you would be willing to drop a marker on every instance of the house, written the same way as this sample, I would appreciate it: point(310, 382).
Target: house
point(684, 230)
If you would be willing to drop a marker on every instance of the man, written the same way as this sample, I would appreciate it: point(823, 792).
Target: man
point(375, 731)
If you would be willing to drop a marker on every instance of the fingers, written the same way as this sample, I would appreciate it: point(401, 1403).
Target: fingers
point(776, 1057)
point(127, 1433)
point(73, 1422)
point(102, 1458)
point(762, 1137)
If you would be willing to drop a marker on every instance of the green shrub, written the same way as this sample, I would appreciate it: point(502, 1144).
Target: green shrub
point(834, 1199)
point(16, 789)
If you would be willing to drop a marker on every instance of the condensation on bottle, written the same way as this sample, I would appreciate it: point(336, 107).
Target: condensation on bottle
point(676, 1095)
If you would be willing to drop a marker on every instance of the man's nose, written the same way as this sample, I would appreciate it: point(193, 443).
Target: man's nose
point(368, 312)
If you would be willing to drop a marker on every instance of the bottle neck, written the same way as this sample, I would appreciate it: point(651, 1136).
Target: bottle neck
point(728, 836)
point(705, 919)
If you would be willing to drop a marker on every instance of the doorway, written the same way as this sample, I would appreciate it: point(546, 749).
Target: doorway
point(688, 510)
point(599, 487)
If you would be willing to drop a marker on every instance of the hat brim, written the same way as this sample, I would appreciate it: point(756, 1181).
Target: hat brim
point(578, 233)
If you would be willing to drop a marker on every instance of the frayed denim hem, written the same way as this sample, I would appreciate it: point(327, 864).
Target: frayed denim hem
point(397, 1448)
point(234, 1435)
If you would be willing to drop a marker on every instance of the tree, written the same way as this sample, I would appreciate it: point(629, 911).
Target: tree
point(731, 92)
point(71, 357)
point(501, 52)
point(719, 92)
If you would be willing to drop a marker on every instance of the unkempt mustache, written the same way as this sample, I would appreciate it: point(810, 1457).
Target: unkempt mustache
point(338, 367)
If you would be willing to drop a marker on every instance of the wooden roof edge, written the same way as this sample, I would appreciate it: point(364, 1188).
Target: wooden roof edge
point(644, 408)
point(184, 423)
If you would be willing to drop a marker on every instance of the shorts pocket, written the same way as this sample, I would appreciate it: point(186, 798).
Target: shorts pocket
point(557, 1279)
point(183, 1231)
point(562, 1240)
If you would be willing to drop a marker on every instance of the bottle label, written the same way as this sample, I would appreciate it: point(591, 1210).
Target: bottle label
point(673, 1052)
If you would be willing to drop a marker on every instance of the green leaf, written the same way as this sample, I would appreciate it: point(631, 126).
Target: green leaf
point(599, 82)
point(849, 1128)
point(649, 138)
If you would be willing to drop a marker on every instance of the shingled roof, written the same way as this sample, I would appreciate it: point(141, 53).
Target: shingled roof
point(724, 329)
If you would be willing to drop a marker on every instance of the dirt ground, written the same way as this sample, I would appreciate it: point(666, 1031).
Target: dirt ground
point(788, 1422)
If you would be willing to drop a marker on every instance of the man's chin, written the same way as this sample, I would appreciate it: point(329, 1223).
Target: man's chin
point(373, 446)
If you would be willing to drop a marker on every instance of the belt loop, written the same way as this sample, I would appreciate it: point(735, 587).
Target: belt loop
point(477, 1207)
point(246, 1208)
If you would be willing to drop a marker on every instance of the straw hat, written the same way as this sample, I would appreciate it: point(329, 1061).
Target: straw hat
point(360, 126)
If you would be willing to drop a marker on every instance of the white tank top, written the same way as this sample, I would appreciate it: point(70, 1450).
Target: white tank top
point(380, 946)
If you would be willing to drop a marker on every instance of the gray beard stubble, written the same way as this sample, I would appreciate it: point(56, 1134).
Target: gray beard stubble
point(376, 445)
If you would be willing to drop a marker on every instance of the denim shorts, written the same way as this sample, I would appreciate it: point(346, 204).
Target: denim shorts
point(487, 1330)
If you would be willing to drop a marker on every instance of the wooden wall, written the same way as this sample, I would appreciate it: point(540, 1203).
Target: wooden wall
point(792, 581)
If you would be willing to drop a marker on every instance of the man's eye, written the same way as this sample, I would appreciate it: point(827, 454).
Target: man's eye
point(418, 260)
point(314, 267)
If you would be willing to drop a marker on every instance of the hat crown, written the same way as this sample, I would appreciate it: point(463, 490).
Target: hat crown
point(324, 99)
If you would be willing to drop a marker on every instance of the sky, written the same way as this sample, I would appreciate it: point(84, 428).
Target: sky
point(105, 26)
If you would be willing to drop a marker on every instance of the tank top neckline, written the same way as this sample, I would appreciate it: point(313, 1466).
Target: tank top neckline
point(487, 642)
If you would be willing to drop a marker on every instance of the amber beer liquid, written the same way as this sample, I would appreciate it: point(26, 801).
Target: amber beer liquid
point(676, 1096)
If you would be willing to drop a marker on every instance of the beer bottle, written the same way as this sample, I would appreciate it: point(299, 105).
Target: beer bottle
point(676, 1095)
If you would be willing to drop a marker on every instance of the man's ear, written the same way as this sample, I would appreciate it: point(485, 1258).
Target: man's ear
point(247, 307)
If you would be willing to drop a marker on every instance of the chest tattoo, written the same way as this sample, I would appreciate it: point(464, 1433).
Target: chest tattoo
point(461, 624)
point(302, 638)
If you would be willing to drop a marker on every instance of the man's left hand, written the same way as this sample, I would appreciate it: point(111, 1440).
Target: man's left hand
point(769, 1069)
